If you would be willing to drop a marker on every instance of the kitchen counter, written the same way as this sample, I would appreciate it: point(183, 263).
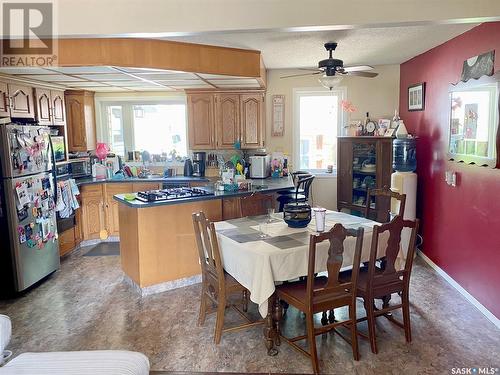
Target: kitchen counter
point(268, 185)
point(158, 248)
point(173, 180)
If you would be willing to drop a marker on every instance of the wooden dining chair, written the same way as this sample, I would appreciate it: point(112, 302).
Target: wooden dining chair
point(376, 283)
point(381, 196)
point(318, 294)
point(217, 284)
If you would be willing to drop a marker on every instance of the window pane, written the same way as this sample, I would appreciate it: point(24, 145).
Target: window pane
point(160, 128)
point(115, 128)
point(318, 116)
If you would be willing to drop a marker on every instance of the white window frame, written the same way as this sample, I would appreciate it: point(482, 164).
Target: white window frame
point(128, 103)
point(340, 92)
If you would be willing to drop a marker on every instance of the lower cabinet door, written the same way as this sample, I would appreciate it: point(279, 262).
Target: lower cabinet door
point(111, 206)
point(66, 241)
point(92, 216)
point(256, 204)
point(231, 208)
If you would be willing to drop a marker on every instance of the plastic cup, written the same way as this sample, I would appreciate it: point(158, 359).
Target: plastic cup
point(319, 216)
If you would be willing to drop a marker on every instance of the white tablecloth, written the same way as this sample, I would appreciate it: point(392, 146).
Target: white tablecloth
point(258, 264)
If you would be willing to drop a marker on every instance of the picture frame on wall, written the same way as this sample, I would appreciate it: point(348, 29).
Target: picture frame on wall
point(416, 97)
point(278, 116)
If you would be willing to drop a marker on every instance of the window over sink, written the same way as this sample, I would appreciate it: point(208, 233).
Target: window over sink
point(136, 125)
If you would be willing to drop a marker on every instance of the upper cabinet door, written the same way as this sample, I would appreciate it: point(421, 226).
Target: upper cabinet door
point(77, 139)
point(4, 100)
point(80, 118)
point(58, 107)
point(228, 120)
point(252, 120)
point(201, 121)
point(43, 107)
point(22, 101)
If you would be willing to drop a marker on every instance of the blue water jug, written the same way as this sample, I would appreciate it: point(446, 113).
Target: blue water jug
point(404, 154)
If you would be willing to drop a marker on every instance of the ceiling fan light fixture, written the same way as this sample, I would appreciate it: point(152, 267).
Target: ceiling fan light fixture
point(330, 81)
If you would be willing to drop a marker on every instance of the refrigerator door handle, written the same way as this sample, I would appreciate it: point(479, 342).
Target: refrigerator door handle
point(54, 173)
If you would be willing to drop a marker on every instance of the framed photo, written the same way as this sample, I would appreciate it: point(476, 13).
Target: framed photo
point(416, 97)
point(278, 115)
point(389, 132)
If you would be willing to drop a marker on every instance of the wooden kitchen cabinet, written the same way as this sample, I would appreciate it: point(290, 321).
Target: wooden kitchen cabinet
point(227, 113)
point(92, 211)
point(43, 106)
point(21, 101)
point(58, 107)
point(201, 121)
point(80, 115)
point(4, 100)
point(252, 120)
point(111, 206)
point(50, 108)
point(250, 205)
point(218, 119)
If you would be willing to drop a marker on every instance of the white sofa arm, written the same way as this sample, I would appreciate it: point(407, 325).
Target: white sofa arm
point(5, 334)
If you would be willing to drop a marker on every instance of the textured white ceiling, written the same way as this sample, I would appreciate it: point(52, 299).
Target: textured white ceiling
point(374, 46)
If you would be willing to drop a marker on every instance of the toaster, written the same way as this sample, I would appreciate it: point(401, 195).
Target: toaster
point(260, 166)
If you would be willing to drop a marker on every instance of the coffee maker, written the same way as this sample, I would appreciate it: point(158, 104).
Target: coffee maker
point(199, 164)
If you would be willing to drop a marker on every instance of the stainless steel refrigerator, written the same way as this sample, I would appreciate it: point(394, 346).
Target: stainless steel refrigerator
point(29, 248)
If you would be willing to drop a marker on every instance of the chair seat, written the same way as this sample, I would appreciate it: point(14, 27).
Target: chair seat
point(382, 286)
point(289, 191)
point(291, 198)
point(295, 293)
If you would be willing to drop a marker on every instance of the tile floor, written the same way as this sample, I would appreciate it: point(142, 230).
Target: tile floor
point(87, 305)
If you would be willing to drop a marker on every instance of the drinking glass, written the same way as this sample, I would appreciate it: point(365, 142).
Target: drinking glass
point(320, 216)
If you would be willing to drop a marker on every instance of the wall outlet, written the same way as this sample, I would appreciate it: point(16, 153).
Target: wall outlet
point(451, 178)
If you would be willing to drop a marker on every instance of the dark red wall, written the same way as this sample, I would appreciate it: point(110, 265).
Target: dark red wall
point(460, 225)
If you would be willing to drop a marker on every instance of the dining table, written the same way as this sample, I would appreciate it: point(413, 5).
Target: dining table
point(261, 251)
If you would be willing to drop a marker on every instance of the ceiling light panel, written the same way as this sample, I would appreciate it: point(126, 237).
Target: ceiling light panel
point(59, 78)
point(130, 83)
point(106, 77)
point(83, 69)
point(166, 76)
point(27, 70)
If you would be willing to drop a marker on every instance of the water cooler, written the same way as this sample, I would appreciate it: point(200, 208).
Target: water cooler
point(404, 181)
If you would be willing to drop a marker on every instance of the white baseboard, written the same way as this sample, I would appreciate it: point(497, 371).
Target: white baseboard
point(461, 290)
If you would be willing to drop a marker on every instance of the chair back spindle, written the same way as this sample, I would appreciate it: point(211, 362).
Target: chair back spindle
point(333, 287)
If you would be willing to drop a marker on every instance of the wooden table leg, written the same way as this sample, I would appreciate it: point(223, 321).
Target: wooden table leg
point(269, 328)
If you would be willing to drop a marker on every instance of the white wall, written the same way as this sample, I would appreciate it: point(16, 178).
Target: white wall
point(379, 96)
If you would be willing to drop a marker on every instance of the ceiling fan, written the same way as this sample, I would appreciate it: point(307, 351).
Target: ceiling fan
point(333, 70)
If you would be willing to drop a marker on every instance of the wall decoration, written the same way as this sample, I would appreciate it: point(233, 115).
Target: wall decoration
point(416, 97)
point(278, 116)
point(478, 66)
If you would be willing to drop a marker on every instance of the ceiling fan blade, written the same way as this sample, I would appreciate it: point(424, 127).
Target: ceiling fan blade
point(361, 74)
point(302, 75)
point(357, 68)
point(310, 69)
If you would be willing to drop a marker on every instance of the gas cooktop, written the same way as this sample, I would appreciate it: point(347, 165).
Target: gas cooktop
point(171, 194)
